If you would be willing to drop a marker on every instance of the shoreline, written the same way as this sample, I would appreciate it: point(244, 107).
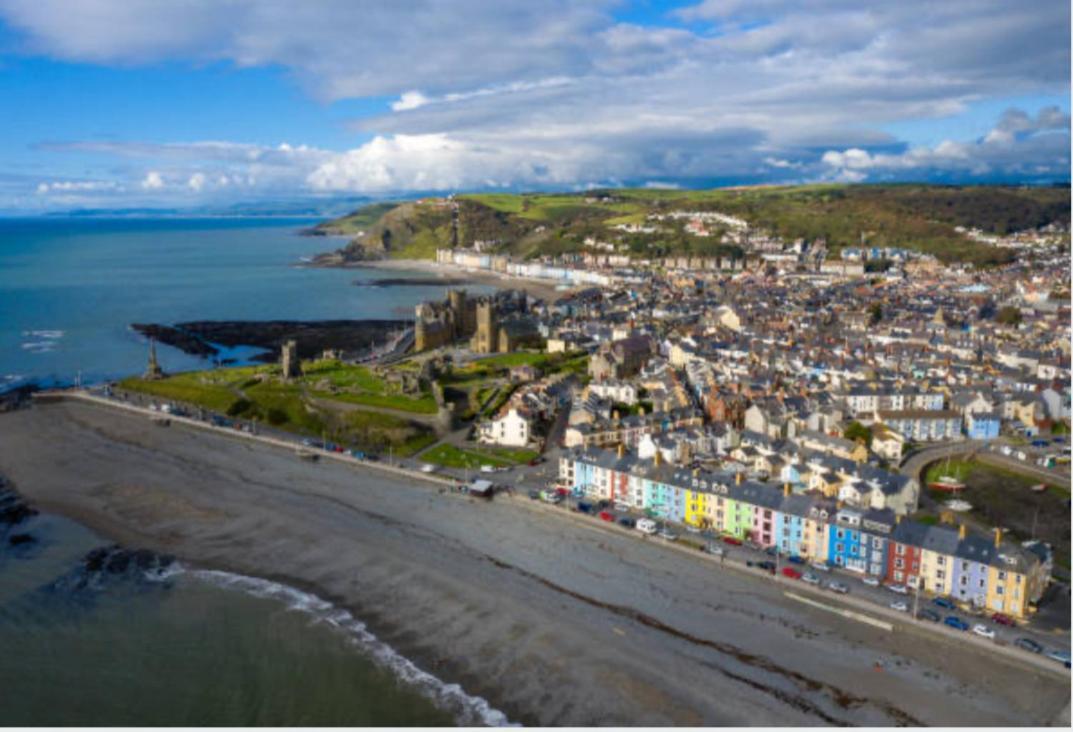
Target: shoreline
point(548, 621)
point(543, 289)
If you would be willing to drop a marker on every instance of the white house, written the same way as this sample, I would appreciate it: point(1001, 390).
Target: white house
point(511, 429)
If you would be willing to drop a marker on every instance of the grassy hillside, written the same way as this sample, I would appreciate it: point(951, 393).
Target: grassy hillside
point(922, 218)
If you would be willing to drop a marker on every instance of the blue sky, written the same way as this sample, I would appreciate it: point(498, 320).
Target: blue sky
point(136, 102)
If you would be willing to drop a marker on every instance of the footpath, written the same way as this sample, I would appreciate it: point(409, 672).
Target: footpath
point(847, 606)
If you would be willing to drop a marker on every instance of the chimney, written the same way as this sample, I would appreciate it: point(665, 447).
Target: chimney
point(786, 490)
point(696, 472)
point(621, 450)
point(657, 459)
point(738, 477)
point(614, 415)
point(962, 531)
point(998, 537)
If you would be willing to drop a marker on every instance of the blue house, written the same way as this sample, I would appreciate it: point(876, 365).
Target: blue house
point(844, 541)
point(982, 426)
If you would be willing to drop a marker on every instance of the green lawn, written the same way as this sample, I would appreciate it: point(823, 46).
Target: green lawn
point(360, 385)
point(191, 388)
point(450, 456)
point(282, 405)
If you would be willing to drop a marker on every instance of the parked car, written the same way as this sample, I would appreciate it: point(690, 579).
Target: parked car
point(692, 529)
point(606, 516)
point(584, 507)
point(769, 566)
point(771, 551)
point(668, 535)
point(602, 504)
point(820, 567)
point(930, 616)
point(983, 631)
point(1061, 656)
point(428, 468)
point(899, 589)
point(731, 541)
point(1027, 644)
point(810, 578)
point(791, 573)
point(552, 497)
point(620, 506)
point(955, 622)
point(795, 560)
point(535, 495)
point(900, 606)
point(870, 581)
point(628, 522)
point(1004, 620)
point(944, 603)
point(838, 587)
point(646, 526)
point(716, 550)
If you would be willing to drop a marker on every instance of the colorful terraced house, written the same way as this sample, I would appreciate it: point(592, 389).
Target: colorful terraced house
point(938, 560)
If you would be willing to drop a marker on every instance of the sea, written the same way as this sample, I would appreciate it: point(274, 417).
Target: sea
point(179, 645)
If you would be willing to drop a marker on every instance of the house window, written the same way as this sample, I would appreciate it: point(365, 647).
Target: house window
point(1002, 576)
point(838, 548)
point(898, 576)
point(899, 564)
point(998, 589)
point(839, 534)
point(964, 566)
point(901, 549)
point(877, 543)
point(939, 574)
point(941, 561)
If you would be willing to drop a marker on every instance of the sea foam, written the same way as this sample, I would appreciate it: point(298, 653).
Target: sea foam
point(468, 710)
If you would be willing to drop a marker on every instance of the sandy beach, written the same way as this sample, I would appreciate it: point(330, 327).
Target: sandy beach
point(552, 621)
point(543, 289)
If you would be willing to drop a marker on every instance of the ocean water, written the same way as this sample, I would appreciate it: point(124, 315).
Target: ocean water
point(192, 647)
point(70, 288)
point(195, 646)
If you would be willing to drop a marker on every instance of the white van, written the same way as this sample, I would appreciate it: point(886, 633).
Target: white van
point(646, 526)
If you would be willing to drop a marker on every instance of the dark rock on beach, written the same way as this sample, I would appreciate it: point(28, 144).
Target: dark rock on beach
point(203, 337)
point(20, 539)
point(13, 509)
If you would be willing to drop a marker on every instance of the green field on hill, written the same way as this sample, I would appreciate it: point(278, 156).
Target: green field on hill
point(916, 217)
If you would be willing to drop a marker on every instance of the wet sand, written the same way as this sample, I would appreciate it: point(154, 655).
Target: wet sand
point(552, 621)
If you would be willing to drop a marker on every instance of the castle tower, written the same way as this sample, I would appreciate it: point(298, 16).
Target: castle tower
point(456, 301)
point(289, 360)
point(486, 339)
point(420, 335)
point(152, 369)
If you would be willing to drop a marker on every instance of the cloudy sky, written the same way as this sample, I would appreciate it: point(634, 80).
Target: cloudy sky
point(148, 102)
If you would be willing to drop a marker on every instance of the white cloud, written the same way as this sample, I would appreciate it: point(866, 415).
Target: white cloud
point(153, 181)
point(77, 186)
point(409, 100)
point(559, 93)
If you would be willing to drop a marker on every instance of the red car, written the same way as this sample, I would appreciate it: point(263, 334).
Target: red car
point(1003, 619)
point(732, 541)
point(606, 516)
point(791, 573)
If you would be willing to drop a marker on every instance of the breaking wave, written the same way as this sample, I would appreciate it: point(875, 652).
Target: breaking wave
point(468, 710)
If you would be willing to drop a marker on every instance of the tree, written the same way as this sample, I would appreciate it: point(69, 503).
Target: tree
point(1009, 315)
point(857, 431)
point(876, 311)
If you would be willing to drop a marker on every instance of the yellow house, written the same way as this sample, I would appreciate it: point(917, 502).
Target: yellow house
point(697, 507)
point(1015, 580)
point(937, 556)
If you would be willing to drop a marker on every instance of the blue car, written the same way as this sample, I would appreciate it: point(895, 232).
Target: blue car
point(944, 603)
point(955, 622)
